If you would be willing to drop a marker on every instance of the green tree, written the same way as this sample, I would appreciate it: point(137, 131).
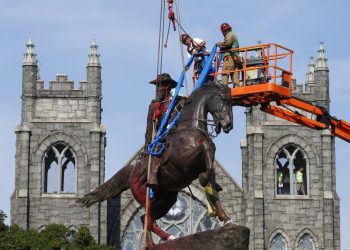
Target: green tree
point(83, 238)
point(18, 238)
point(3, 216)
point(53, 237)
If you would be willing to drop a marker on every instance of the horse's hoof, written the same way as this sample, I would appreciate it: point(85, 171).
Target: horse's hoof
point(171, 237)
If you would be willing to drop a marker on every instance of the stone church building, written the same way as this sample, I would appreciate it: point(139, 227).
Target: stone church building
point(60, 156)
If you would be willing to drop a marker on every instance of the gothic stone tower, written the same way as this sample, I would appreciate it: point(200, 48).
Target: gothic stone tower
point(289, 180)
point(60, 149)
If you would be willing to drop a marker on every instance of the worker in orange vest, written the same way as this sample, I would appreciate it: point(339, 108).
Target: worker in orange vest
point(230, 58)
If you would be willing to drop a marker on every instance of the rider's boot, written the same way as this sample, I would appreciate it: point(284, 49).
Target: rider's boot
point(152, 178)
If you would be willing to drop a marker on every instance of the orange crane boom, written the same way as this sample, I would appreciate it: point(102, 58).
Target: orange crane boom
point(322, 119)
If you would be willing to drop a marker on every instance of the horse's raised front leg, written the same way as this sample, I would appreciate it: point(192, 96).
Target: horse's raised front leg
point(209, 154)
point(207, 180)
point(212, 192)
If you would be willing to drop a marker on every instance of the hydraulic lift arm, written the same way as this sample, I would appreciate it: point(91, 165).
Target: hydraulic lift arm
point(319, 117)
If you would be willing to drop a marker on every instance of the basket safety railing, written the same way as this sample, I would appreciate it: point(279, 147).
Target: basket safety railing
point(263, 63)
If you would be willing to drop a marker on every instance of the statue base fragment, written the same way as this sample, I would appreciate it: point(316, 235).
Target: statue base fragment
point(227, 237)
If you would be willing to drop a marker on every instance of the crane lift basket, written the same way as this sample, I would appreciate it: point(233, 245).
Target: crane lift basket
point(265, 72)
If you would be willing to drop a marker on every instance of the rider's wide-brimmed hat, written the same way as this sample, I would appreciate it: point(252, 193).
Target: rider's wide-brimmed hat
point(164, 79)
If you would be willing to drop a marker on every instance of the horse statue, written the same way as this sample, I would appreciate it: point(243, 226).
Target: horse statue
point(189, 154)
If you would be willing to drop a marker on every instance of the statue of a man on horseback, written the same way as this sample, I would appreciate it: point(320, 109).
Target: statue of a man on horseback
point(156, 112)
point(188, 155)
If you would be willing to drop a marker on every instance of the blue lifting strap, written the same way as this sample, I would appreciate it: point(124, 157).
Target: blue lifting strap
point(208, 68)
point(160, 135)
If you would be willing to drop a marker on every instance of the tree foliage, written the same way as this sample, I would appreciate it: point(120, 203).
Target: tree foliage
point(83, 238)
point(53, 237)
point(3, 216)
point(18, 238)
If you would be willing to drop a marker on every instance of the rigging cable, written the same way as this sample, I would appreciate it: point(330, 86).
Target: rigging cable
point(162, 32)
point(178, 20)
point(160, 37)
point(149, 190)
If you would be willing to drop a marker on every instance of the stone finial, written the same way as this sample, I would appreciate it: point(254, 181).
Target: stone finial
point(321, 61)
point(29, 55)
point(310, 76)
point(94, 57)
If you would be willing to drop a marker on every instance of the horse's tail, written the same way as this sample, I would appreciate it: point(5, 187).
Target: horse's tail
point(112, 188)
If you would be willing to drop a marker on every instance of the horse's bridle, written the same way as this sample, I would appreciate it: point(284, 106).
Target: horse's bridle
point(210, 123)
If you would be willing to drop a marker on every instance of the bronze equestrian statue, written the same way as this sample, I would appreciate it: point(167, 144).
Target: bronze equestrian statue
point(189, 155)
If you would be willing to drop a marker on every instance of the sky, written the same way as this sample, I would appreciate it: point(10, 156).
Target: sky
point(127, 35)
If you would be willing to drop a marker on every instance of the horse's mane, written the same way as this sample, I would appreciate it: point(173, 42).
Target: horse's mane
point(208, 87)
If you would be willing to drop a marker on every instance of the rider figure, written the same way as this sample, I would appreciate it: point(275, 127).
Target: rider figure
point(156, 111)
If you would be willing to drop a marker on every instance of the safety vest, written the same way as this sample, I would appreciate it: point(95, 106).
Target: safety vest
point(299, 176)
point(235, 45)
point(280, 177)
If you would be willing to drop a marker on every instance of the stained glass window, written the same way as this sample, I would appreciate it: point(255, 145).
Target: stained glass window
point(187, 216)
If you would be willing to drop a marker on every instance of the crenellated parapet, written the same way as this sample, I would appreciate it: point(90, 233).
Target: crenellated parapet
point(62, 86)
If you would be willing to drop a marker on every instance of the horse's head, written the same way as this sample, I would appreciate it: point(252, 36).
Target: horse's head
point(219, 104)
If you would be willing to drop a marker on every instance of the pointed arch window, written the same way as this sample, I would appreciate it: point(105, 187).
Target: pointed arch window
point(291, 171)
point(59, 169)
point(306, 243)
point(279, 243)
point(71, 235)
